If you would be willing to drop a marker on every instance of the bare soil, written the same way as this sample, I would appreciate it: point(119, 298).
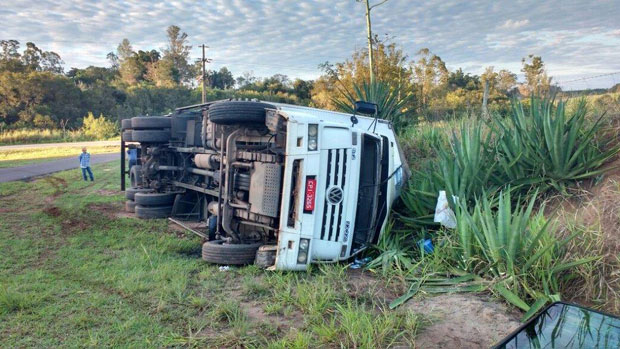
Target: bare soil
point(463, 321)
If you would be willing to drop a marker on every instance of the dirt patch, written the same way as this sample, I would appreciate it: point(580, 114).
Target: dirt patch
point(463, 321)
point(107, 192)
point(109, 210)
point(52, 211)
point(124, 214)
point(363, 284)
point(60, 186)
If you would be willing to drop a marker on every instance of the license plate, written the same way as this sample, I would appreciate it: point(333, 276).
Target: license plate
point(310, 194)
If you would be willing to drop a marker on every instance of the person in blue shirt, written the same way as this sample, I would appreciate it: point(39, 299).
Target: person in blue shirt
point(132, 155)
point(85, 165)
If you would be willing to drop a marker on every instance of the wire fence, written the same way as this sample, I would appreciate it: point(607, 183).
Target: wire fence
point(593, 82)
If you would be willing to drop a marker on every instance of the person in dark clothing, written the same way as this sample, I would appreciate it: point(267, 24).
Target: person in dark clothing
point(132, 155)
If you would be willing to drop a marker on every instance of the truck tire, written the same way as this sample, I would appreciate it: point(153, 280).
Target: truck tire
point(125, 124)
point(238, 112)
point(219, 252)
point(150, 136)
point(130, 193)
point(150, 122)
point(135, 176)
point(127, 136)
point(130, 206)
point(154, 199)
point(147, 212)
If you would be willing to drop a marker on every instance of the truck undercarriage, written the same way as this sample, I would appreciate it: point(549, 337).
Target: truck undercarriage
point(233, 166)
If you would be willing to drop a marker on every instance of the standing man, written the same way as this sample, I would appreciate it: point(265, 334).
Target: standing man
point(85, 164)
point(132, 154)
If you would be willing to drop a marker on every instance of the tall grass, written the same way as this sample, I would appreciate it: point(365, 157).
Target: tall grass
point(27, 136)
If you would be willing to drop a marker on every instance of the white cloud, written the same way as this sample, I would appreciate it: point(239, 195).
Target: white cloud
point(293, 37)
point(514, 24)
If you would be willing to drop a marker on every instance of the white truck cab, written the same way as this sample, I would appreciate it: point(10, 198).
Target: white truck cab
point(344, 177)
point(274, 184)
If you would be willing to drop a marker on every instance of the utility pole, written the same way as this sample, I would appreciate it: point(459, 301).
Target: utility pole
point(204, 73)
point(369, 36)
point(485, 98)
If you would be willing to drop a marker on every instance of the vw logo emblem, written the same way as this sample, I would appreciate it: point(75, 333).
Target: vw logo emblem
point(334, 195)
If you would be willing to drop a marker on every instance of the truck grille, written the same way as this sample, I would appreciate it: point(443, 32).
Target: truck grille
point(334, 194)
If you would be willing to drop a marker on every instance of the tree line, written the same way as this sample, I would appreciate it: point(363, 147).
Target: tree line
point(35, 91)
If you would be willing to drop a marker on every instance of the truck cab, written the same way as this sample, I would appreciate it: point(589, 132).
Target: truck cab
point(279, 185)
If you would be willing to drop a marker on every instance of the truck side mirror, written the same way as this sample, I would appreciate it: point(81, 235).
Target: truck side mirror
point(364, 107)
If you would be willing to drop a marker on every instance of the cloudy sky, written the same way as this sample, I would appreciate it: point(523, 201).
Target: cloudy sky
point(575, 38)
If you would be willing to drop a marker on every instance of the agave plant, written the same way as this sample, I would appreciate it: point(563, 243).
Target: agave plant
point(391, 105)
point(547, 148)
point(514, 247)
point(469, 163)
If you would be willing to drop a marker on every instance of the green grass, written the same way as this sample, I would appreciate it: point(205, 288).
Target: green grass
point(74, 274)
point(20, 157)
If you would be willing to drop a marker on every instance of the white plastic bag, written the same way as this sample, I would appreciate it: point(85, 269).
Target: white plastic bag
point(443, 213)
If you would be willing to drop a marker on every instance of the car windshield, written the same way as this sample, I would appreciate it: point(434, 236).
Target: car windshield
point(567, 326)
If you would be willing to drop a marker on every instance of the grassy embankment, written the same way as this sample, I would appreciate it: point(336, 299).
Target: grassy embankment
point(537, 214)
point(74, 273)
point(19, 157)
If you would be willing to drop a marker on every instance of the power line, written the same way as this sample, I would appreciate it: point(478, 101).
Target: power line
point(588, 77)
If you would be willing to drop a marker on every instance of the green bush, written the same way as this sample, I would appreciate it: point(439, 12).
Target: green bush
point(99, 128)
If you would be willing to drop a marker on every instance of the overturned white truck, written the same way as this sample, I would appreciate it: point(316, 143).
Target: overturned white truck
point(274, 184)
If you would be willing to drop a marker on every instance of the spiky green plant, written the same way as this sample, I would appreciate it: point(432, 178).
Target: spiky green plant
point(514, 247)
point(467, 166)
point(546, 148)
point(391, 104)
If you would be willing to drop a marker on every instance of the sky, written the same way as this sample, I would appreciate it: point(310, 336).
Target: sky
point(576, 39)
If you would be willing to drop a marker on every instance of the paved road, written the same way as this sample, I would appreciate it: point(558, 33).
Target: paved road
point(44, 168)
point(55, 145)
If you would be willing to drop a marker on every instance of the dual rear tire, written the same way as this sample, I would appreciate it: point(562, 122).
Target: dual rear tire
point(148, 205)
point(146, 129)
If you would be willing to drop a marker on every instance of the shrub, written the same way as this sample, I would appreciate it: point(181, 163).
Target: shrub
point(99, 128)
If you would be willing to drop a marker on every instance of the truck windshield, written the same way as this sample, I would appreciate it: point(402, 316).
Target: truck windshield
point(564, 325)
point(370, 169)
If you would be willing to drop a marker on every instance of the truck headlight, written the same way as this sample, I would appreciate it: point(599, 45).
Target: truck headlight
point(302, 253)
point(313, 135)
point(311, 144)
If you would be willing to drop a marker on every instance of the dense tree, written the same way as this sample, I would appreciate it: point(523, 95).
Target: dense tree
point(222, 79)
point(430, 75)
point(302, 88)
point(535, 75)
point(177, 52)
